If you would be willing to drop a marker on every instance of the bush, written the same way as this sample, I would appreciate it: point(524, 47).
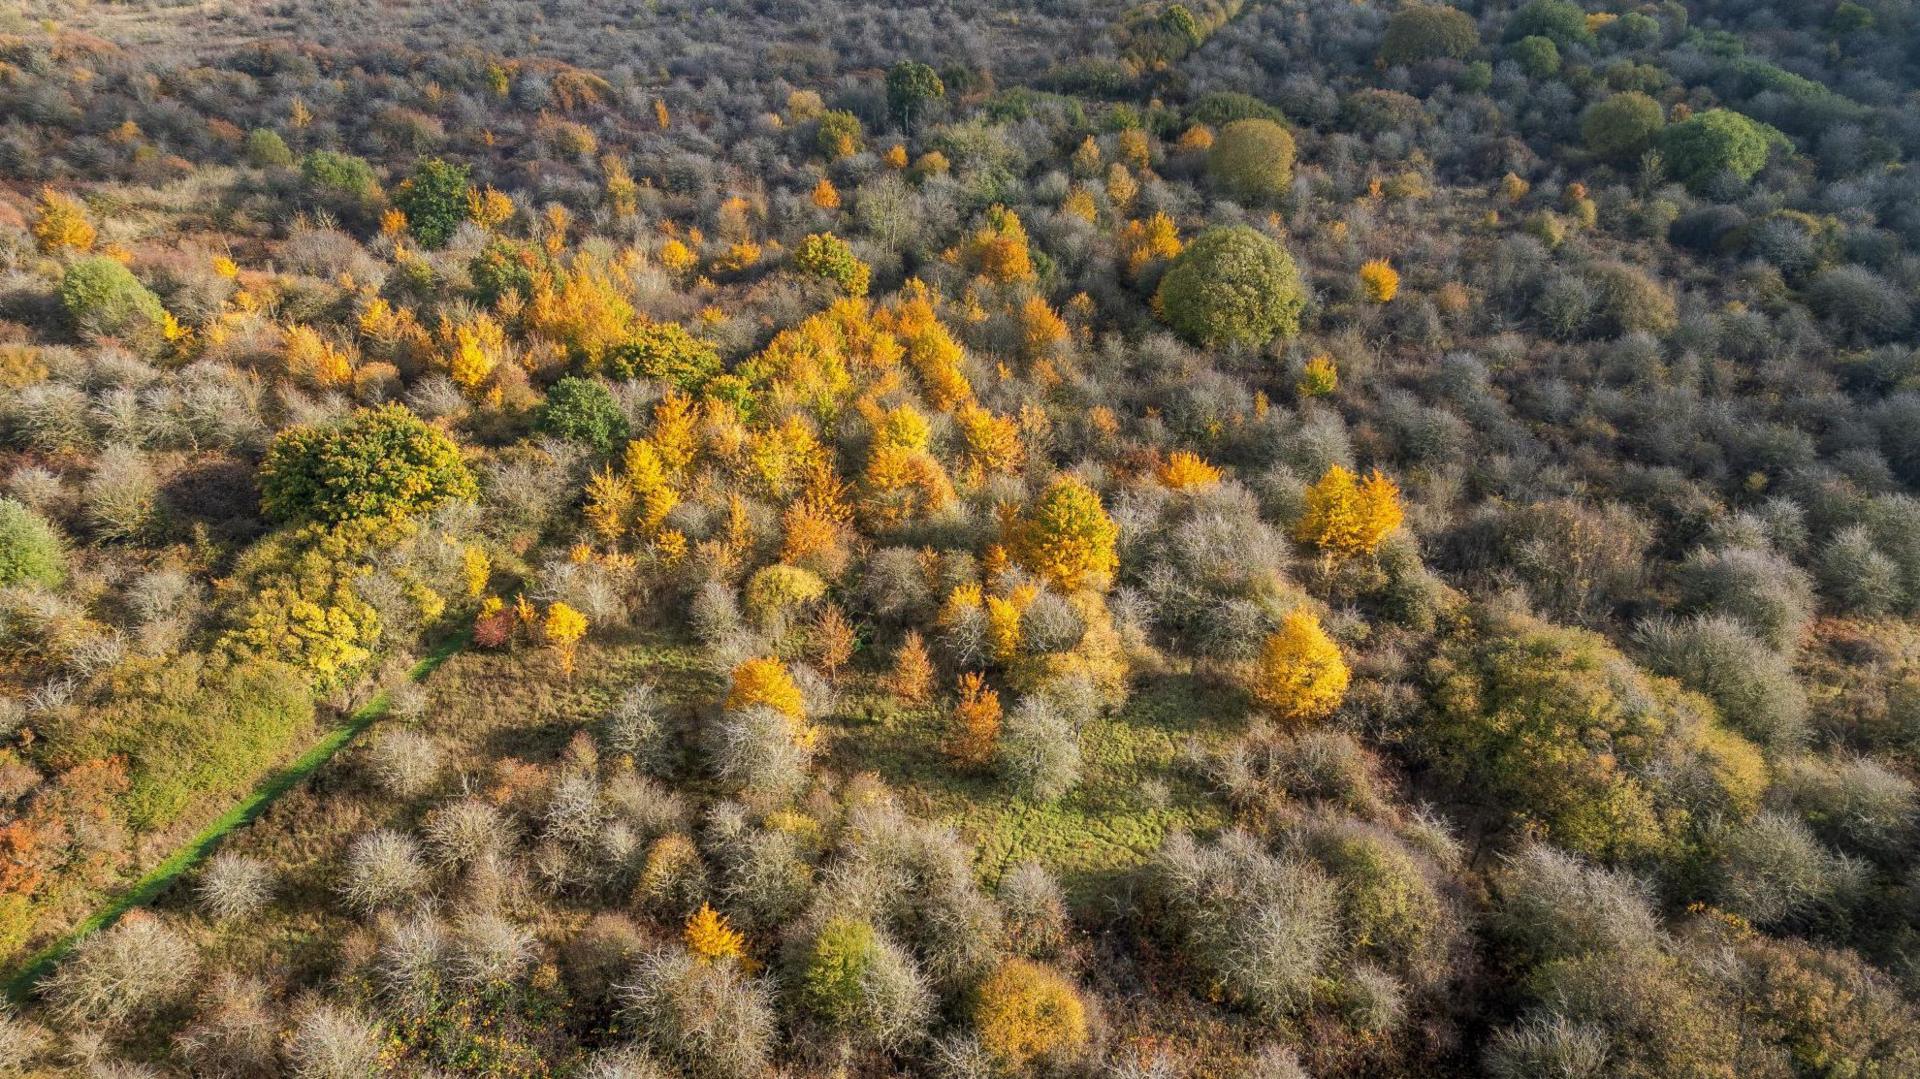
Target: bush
point(1252, 160)
point(266, 149)
point(1300, 676)
point(664, 351)
point(1232, 286)
point(1559, 21)
point(1855, 803)
point(1222, 107)
point(1707, 145)
point(839, 135)
point(434, 199)
point(1861, 302)
point(1066, 537)
point(121, 975)
point(826, 256)
point(1775, 873)
point(332, 1042)
point(862, 986)
point(1259, 930)
point(1752, 685)
point(381, 463)
point(1856, 576)
point(383, 869)
point(31, 552)
point(234, 885)
point(339, 180)
point(1622, 127)
point(1551, 905)
point(1038, 750)
point(1025, 1013)
point(754, 749)
point(583, 410)
point(1771, 595)
point(467, 832)
point(122, 496)
point(707, 1019)
point(404, 762)
point(1547, 1046)
point(104, 299)
point(1420, 32)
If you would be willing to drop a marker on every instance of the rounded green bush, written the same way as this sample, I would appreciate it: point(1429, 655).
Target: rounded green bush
point(1714, 142)
point(266, 148)
point(827, 256)
point(832, 982)
point(103, 298)
point(1252, 160)
point(434, 199)
point(910, 86)
point(1559, 21)
point(666, 351)
point(1232, 286)
point(30, 550)
point(583, 410)
point(1538, 56)
point(1429, 32)
point(1623, 126)
point(382, 463)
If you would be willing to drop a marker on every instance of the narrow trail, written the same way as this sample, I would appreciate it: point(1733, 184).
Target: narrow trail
point(241, 814)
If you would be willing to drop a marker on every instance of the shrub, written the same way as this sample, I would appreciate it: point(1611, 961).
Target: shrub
point(1299, 676)
point(706, 1019)
point(405, 762)
point(861, 985)
point(1547, 1045)
point(1560, 21)
point(839, 134)
point(1829, 1011)
point(826, 256)
point(1551, 905)
point(31, 552)
point(1252, 160)
point(339, 179)
point(1855, 803)
point(1752, 685)
point(1715, 142)
point(1038, 750)
point(1066, 536)
point(60, 224)
point(1775, 873)
point(1344, 517)
point(635, 728)
point(123, 974)
point(755, 749)
point(664, 351)
point(1258, 930)
point(1034, 908)
point(1232, 286)
point(1025, 1013)
point(383, 869)
point(583, 410)
point(1623, 126)
point(1767, 593)
point(266, 149)
point(103, 298)
point(467, 832)
point(122, 496)
point(381, 463)
point(1379, 281)
point(434, 199)
point(332, 1042)
point(1627, 301)
point(234, 885)
point(1418, 32)
point(1861, 302)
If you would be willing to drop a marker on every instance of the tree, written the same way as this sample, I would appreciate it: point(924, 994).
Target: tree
point(583, 410)
point(266, 149)
point(1622, 127)
point(975, 725)
point(103, 298)
point(1025, 1013)
point(1420, 32)
point(1538, 56)
point(765, 681)
point(1562, 22)
point(31, 552)
point(435, 201)
point(60, 224)
point(1716, 142)
point(1067, 537)
point(1232, 286)
point(1299, 676)
point(1186, 471)
point(1345, 517)
point(563, 629)
point(912, 677)
point(911, 86)
point(1379, 280)
point(664, 351)
point(1252, 160)
point(710, 938)
point(840, 134)
point(827, 256)
point(380, 463)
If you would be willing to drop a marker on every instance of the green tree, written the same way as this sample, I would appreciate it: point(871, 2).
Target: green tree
point(378, 463)
point(1716, 142)
point(666, 351)
point(840, 134)
point(434, 199)
point(827, 256)
point(1252, 160)
point(1559, 21)
point(583, 410)
point(911, 87)
point(30, 550)
point(332, 176)
point(265, 148)
point(1538, 56)
point(103, 298)
point(1232, 286)
point(1429, 32)
point(1622, 127)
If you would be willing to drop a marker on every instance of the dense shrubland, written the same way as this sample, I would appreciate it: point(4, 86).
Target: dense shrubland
point(1268, 539)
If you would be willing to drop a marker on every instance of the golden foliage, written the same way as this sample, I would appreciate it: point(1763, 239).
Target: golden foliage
point(1024, 1013)
point(1319, 377)
point(974, 727)
point(710, 938)
point(1299, 675)
point(1066, 537)
point(1142, 243)
point(563, 629)
point(60, 224)
point(765, 681)
point(998, 248)
point(1379, 280)
point(825, 195)
point(1185, 471)
point(912, 676)
point(1346, 517)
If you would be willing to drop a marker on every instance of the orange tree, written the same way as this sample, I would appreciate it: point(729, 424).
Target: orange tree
point(1067, 537)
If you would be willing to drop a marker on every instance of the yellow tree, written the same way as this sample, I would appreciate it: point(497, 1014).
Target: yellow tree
point(1380, 280)
point(1067, 537)
point(1299, 676)
point(1184, 471)
point(975, 725)
point(765, 681)
point(1319, 377)
point(1345, 517)
point(563, 629)
point(998, 248)
point(710, 938)
point(61, 224)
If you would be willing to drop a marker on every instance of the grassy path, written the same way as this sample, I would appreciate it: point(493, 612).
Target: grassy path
point(244, 812)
